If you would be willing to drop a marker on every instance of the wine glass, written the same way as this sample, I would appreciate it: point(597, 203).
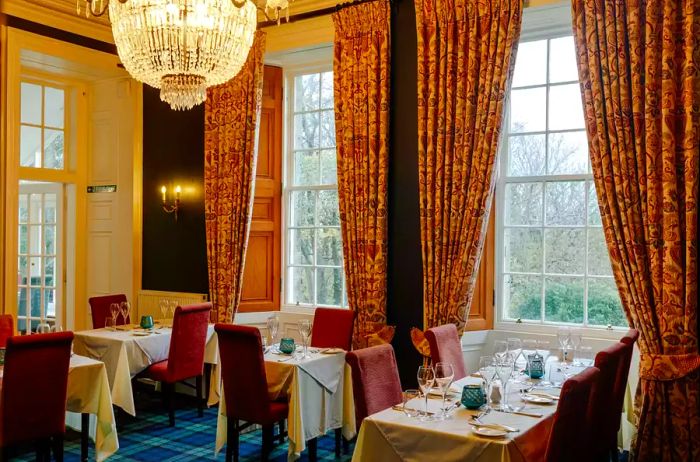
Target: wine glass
point(575, 343)
point(543, 349)
point(487, 370)
point(56, 327)
point(408, 396)
point(426, 380)
point(173, 307)
point(125, 308)
point(109, 324)
point(563, 336)
point(273, 324)
point(515, 350)
point(500, 348)
point(114, 312)
point(444, 374)
point(43, 328)
point(163, 305)
point(305, 331)
point(504, 369)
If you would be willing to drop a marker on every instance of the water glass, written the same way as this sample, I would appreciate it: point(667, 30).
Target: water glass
point(426, 380)
point(125, 308)
point(500, 349)
point(114, 312)
point(305, 331)
point(574, 343)
point(444, 374)
point(487, 370)
point(564, 338)
point(409, 408)
point(273, 324)
point(504, 369)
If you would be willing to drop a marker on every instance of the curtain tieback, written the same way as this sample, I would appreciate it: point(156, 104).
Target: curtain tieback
point(660, 367)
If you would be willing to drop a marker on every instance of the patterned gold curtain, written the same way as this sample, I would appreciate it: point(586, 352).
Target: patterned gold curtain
point(361, 92)
point(230, 155)
point(638, 65)
point(466, 55)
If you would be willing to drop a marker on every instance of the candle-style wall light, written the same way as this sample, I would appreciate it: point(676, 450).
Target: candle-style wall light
point(173, 208)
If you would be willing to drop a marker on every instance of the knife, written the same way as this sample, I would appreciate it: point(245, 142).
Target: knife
point(528, 414)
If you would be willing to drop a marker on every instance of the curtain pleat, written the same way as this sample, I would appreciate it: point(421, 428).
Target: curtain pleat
point(361, 91)
point(466, 55)
point(640, 80)
point(232, 111)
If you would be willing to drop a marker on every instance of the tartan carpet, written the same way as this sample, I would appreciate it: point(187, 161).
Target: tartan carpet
point(148, 438)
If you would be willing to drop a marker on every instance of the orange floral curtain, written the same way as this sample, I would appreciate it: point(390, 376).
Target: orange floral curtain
point(230, 155)
point(466, 55)
point(638, 64)
point(361, 92)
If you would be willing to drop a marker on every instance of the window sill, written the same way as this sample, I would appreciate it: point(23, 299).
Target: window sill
point(602, 333)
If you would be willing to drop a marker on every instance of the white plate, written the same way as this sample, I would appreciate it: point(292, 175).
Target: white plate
point(489, 432)
point(536, 399)
point(138, 333)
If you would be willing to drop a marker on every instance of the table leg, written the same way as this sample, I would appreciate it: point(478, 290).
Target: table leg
point(312, 446)
point(84, 434)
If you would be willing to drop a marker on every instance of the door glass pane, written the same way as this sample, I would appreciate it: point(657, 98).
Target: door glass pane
point(30, 146)
point(23, 208)
point(49, 271)
point(22, 271)
point(50, 303)
point(35, 271)
point(23, 239)
point(49, 208)
point(35, 240)
point(49, 239)
point(35, 208)
point(53, 148)
point(30, 103)
point(53, 107)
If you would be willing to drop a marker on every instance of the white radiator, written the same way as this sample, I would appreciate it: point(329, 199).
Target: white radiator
point(148, 301)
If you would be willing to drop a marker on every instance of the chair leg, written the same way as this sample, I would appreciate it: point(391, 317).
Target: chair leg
point(281, 436)
point(200, 396)
point(232, 435)
point(346, 446)
point(84, 436)
point(312, 445)
point(338, 437)
point(168, 390)
point(267, 441)
point(57, 448)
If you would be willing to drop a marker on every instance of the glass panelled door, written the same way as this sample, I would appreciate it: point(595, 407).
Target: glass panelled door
point(40, 263)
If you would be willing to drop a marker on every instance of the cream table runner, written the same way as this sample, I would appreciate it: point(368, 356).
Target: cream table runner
point(319, 390)
point(125, 354)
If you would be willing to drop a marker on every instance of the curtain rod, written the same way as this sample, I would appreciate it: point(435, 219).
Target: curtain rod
point(316, 13)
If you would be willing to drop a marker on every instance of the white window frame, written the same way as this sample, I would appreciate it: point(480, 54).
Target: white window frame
point(322, 61)
point(541, 23)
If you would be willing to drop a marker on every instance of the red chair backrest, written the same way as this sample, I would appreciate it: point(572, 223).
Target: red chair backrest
point(446, 347)
point(630, 337)
point(243, 372)
point(332, 328)
point(188, 341)
point(603, 413)
point(568, 440)
point(375, 380)
point(99, 306)
point(35, 380)
point(7, 328)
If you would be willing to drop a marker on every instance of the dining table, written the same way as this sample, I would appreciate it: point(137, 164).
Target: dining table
point(129, 350)
point(319, 391)
point(394, 435)
point(89, 406)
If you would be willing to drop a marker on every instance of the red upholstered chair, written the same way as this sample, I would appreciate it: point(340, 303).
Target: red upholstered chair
point(33, 395)
point(186, 356)
point(99, 306)
point(446, 347)
point(603, 414)
point(245, 387)
point(568, 440)
point(630, 337)
point(375, 380)
point(7, 328)
point(332, 328)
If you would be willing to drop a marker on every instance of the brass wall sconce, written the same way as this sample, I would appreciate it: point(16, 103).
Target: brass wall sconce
point(173, 208)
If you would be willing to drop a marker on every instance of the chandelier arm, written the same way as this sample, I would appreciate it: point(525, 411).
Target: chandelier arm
point(264, 11)
point(239, 4)
point(95, 11)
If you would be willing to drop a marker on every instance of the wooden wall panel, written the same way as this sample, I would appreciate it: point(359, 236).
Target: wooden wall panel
point(263, 265)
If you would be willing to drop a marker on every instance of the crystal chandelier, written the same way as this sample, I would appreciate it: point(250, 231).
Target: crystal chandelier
point(181, 46)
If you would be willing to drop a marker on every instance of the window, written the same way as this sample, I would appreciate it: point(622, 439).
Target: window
point(314, 253)
point(42, 125)
point(552, 257)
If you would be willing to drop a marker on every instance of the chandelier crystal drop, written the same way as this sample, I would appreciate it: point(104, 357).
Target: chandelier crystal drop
point(182, 46)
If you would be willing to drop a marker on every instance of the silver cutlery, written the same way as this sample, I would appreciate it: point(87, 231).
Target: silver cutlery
point(284, 360)
point(528, 414)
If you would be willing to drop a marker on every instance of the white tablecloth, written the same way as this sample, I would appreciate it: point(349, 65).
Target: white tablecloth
point(390, 435)
point(125, 355)
point(88, 393)
point(319, 390)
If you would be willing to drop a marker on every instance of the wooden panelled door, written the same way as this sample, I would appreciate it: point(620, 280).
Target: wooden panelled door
point(262, 273)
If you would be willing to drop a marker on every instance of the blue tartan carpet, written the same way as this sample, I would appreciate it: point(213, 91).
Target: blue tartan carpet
point(148, 438)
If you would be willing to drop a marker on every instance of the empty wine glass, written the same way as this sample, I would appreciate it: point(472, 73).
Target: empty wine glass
point(426, 380)
point(43, 328)
point(163, 305)
point(500, 348)
point(273, 324)
point(574, 343)
point(543, 349)
point(563, 336)
point(125, 308)
point(409, 409)
point(487, 370)
point(504, 369)
point(444, 374)
point(305, 331)
point(114, 311)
